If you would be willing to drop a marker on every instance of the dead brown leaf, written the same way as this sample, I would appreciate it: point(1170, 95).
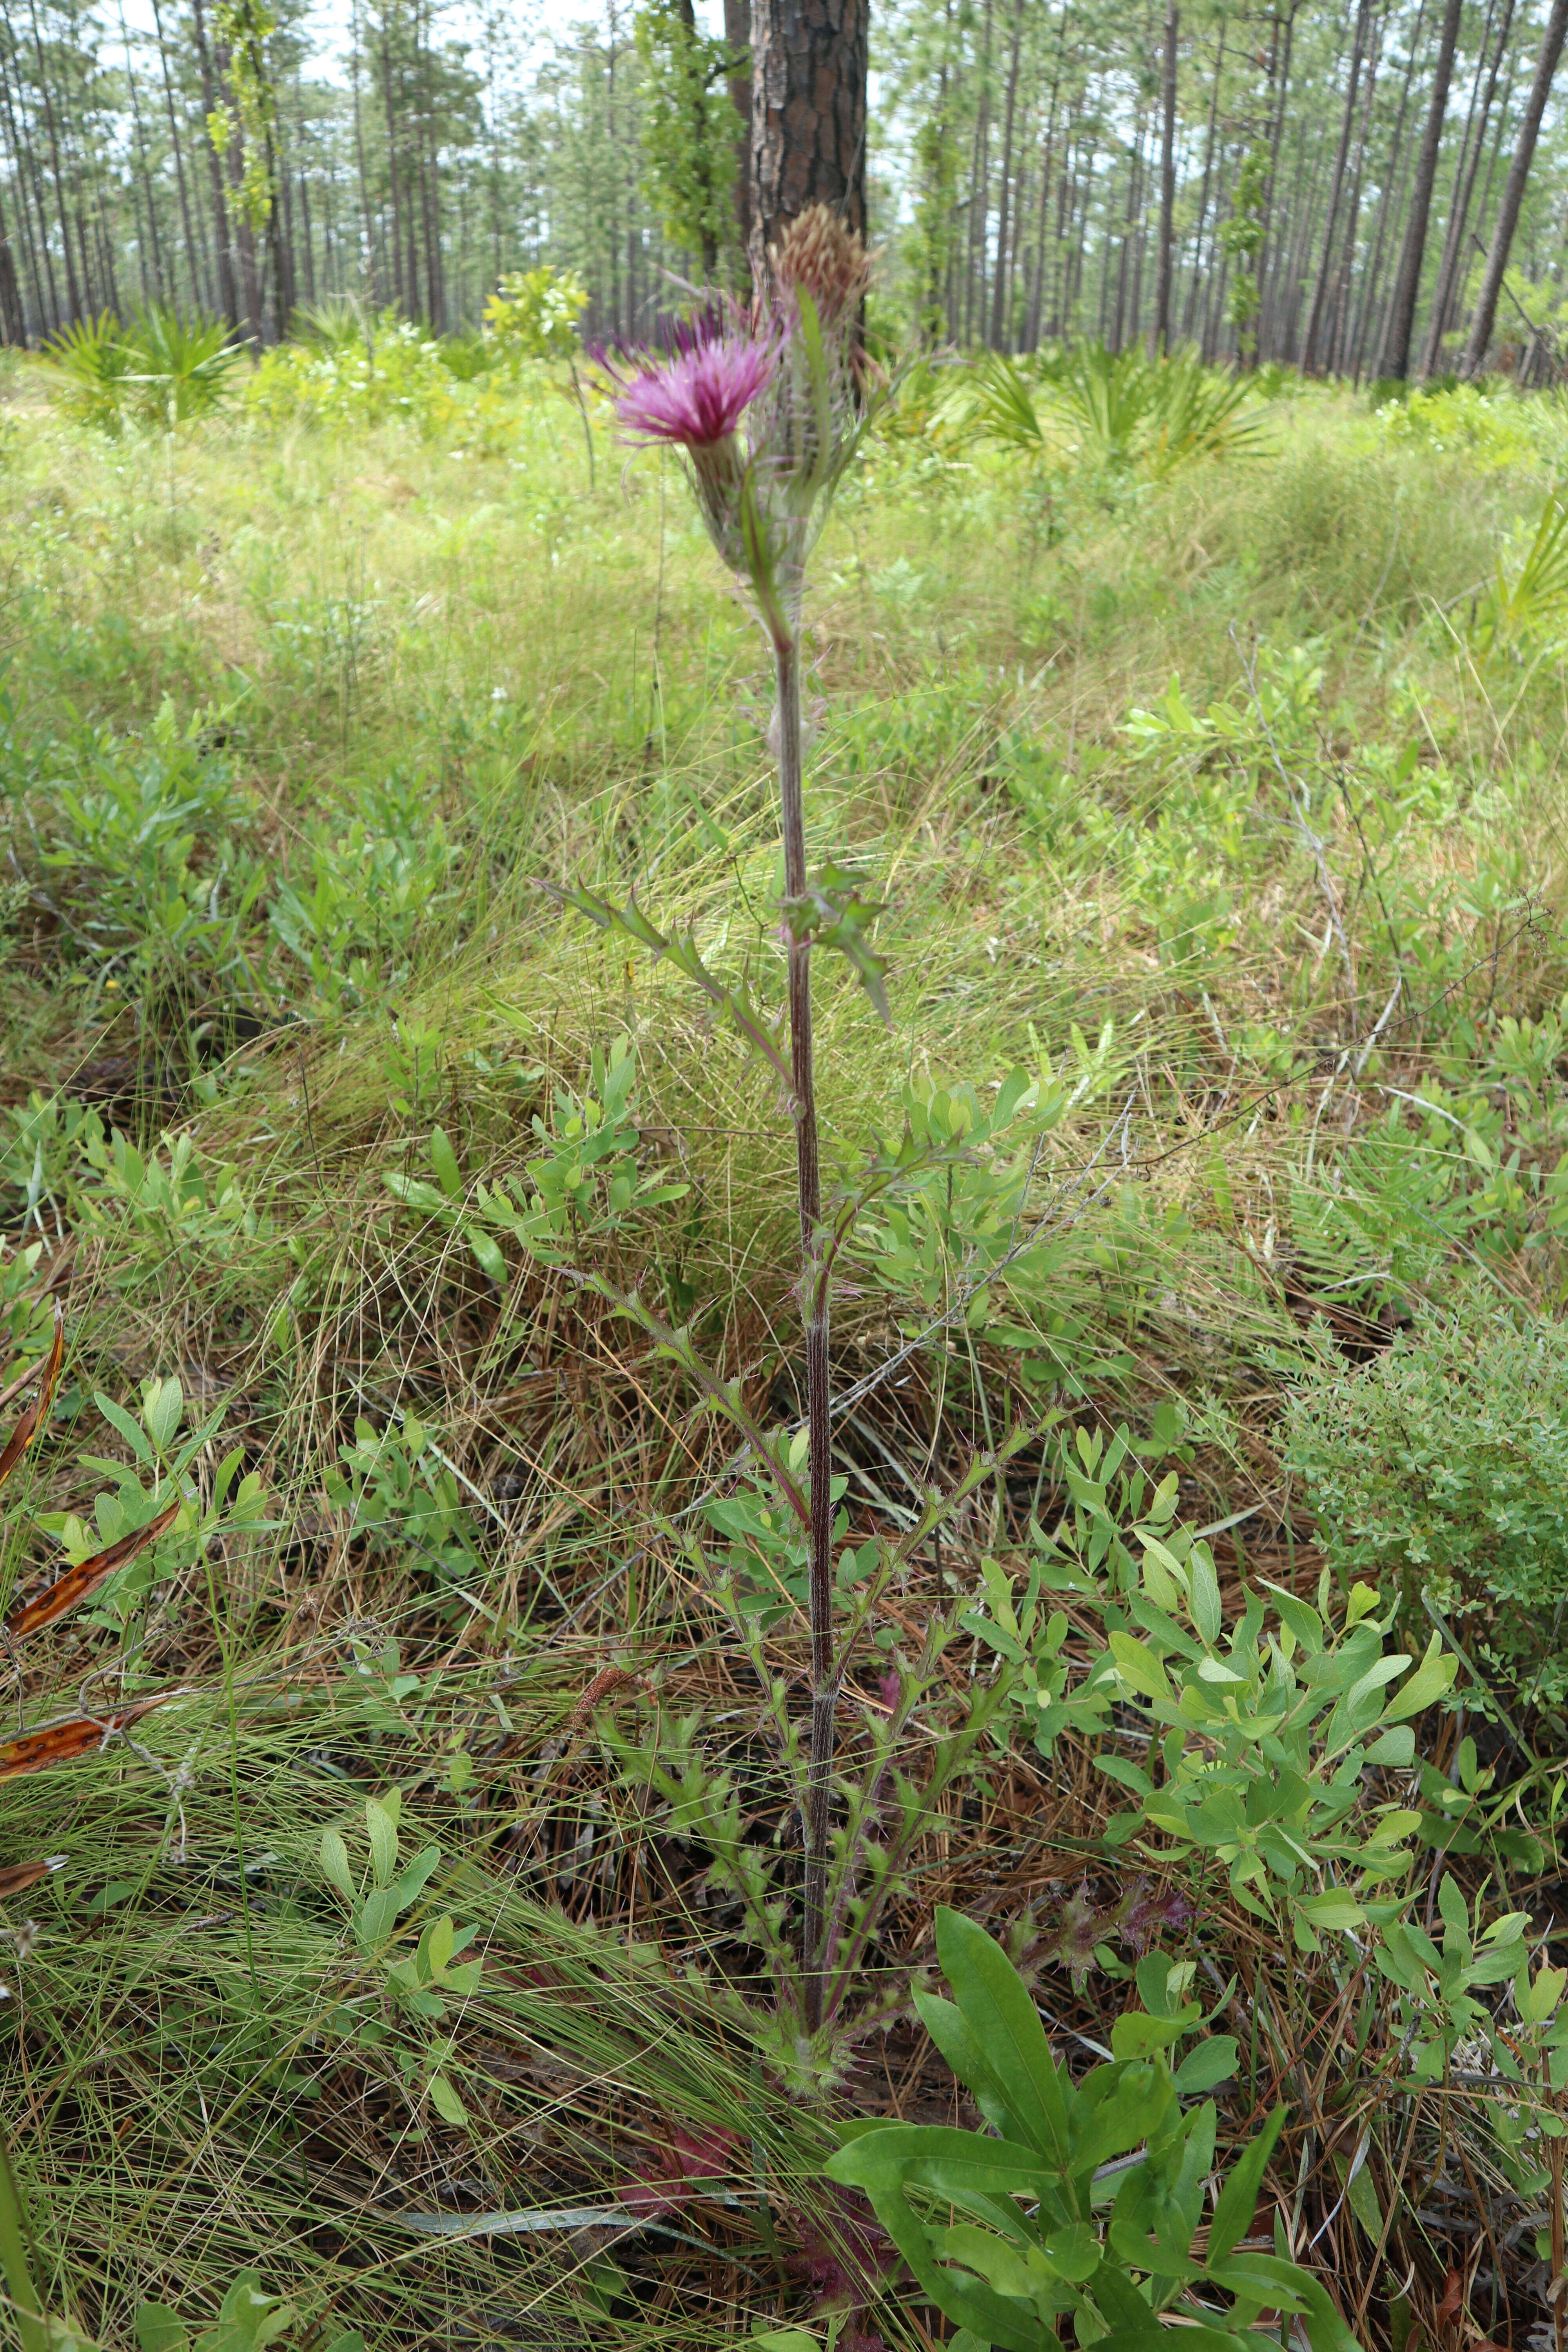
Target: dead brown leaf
point(79, 1582)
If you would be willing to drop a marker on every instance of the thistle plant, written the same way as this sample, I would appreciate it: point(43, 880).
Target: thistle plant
point(767, 404)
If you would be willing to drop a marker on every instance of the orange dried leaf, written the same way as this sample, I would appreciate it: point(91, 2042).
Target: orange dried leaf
point(62, 1743)
point(78, 1584)
point(28, 1428)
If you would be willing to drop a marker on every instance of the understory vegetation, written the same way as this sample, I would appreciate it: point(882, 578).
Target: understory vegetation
point(400, 1846)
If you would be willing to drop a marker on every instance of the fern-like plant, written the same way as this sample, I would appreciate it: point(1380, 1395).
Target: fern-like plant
point(179, 367)
point(89, 361)
point(1116, 411)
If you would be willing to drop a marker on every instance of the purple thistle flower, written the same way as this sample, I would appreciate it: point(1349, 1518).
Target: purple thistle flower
point(697, 397)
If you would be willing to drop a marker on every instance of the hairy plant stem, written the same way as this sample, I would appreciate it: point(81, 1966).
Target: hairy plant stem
point(814, 1309)
point(15, 2264)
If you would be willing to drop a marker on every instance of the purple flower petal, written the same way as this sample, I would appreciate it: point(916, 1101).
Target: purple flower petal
point(699, 395)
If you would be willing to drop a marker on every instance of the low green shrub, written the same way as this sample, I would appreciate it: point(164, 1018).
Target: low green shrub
point(1444, 1465)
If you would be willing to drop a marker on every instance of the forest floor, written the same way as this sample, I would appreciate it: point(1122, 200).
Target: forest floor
point(1229, 798)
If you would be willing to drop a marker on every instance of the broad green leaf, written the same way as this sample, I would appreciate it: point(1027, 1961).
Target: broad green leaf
point(120, 1421)
point(989, 2257)
point(162, 1409)
point(937, 2157)
point(414, 1192)
point(956, 2166)
point(488, 1253)
point(383, 1842)
point(1072, 2252)
point(1138, 1666)
point(1116, 2108)
point(415, 1877)
point(950, 2030)
point(445, 2102)
point(1395, 1747)
point(1006, 2027)
point(159, 2329)
point(444, 1161)
point(1238, 2199)
point(1432, 1678)
point(1135, 2034)
point(1456, 1918)
point(1205, 1596)
point(335, 1864)
point(1336, 1911)
point(377, 1916)
point(1212, 2062)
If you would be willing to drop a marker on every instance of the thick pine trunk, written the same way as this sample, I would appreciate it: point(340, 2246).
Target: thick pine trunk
point(808, 115)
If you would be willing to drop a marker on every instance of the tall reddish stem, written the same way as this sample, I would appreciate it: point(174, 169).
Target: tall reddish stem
point(814, 1309)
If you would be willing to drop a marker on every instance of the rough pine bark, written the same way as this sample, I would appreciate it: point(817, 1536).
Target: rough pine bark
point(808, 115)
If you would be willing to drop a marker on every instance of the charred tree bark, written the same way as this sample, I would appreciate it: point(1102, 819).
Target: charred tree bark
point(808, 115)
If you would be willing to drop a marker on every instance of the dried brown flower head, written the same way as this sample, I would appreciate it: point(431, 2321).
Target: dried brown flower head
point(817, 254)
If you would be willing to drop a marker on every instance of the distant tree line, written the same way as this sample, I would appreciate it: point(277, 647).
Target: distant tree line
point(1377, 188)
point(1371, 188)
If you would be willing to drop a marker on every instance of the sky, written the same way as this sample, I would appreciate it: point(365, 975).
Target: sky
point(329, 20)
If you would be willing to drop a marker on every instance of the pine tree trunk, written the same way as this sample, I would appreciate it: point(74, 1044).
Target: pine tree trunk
point(1464, 185)
point(13, 324)
point(1336, 191)
point(193, 256)
point(1339, 323)
point(1402, 314)
point(999, 337)
point(26, 163)
point(1278, 85)
point(737, 41)
point(72, 295)
point(808, 115)
point(1191, 311)
point(1391, 200)
point(228, 298)
point(1546, 63)
point(1160, 333)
